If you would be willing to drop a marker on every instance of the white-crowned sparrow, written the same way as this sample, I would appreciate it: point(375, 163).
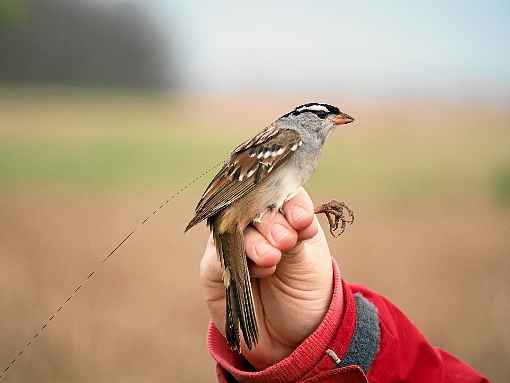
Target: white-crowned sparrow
point(259, 176)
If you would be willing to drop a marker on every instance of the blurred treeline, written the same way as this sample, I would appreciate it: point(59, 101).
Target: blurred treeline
point(59, 42)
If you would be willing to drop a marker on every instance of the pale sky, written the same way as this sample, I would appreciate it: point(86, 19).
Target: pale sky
point(364, 46)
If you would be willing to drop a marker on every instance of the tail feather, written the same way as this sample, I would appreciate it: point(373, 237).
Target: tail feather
point(232, 318)
point(252, 330)
point(240, 307)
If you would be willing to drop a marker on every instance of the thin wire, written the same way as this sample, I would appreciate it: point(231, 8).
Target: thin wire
point(91, 275)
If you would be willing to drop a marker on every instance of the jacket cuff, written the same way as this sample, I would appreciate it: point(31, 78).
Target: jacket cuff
point(312, 356)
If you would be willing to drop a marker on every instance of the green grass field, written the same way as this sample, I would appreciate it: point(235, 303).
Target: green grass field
point(114, 142)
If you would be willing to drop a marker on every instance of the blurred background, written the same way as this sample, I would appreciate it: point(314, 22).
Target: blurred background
point(108, 107)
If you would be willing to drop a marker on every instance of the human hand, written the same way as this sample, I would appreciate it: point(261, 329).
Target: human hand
point(292, 279)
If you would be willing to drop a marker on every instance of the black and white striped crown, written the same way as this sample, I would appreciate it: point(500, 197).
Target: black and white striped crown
point(319, 109)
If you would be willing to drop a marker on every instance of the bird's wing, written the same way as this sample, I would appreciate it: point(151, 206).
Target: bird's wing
point(249, 164)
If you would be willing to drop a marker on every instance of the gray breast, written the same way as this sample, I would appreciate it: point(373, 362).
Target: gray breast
point(305, 159)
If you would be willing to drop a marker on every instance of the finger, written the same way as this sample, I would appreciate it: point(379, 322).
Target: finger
point(259, 250)
point(277, 231)
point(261, 272)
point(310, 231)
point(211, 278)
point(299, 210)
point(210, 267)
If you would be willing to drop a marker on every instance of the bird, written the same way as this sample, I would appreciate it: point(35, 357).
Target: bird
point(258, 177)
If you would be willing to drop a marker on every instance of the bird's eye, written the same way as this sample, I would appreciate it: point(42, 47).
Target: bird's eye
point(322, 115)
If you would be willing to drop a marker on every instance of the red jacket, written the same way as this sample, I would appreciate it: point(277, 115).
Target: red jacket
point(365, 339)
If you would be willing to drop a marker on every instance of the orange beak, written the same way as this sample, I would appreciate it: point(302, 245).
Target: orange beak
point(343, 118)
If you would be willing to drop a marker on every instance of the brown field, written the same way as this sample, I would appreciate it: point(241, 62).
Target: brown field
point(439, 249)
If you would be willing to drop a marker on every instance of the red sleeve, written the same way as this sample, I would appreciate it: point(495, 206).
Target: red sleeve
point(404, 353)
point(362, 335)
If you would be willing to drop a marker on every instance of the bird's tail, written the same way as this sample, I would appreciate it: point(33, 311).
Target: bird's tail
point(240, 307)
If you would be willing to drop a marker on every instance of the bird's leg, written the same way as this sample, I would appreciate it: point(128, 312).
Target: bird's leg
point(338, 214)
point(271, 209)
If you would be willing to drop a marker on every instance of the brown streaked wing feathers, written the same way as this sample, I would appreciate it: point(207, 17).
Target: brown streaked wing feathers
point(249, 164)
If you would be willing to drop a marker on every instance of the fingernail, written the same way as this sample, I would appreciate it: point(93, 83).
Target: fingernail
point(263, 249)
point(279, 232)
point(298, 213)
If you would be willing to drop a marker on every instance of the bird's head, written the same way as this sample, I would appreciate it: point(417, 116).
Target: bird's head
point(316, 117)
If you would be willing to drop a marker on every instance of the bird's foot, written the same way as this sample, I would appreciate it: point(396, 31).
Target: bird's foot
point(338, 214)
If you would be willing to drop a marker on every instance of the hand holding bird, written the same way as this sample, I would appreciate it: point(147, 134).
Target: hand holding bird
point(260, 175)
point(290, 263)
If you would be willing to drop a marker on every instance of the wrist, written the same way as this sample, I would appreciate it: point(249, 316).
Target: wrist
point(305, 356)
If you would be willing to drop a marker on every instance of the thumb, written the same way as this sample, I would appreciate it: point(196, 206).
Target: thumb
point(309, 259)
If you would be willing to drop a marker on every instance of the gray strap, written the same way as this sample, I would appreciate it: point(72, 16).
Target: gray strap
point(367, 335)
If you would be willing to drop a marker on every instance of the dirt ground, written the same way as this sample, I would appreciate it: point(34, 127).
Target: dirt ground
point(444, 262)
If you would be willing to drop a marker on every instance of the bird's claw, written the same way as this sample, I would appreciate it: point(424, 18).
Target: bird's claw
point(336, 211)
